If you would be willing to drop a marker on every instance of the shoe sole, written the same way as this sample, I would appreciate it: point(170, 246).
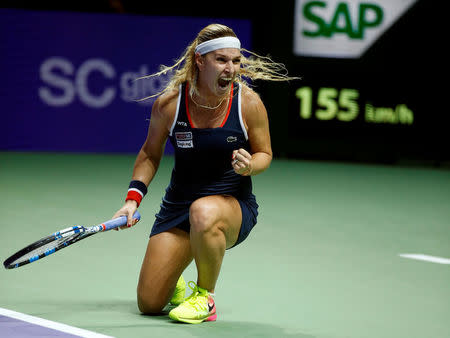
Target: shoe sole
point(194, 321)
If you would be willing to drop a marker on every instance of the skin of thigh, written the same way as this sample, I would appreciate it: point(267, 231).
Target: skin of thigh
point(168, 254)
point(222, 211)
point(215, 225)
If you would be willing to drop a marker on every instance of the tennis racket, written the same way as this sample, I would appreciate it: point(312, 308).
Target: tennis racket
point(60, 240)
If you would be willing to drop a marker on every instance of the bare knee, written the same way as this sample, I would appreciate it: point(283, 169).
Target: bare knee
point(203, 216)
point(167, 255)
point(150, 302)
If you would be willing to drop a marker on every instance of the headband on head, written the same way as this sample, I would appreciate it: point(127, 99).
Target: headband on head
point(219, 43)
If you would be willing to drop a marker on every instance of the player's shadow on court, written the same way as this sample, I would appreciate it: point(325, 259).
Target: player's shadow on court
point(244, 329)
point(228, 329)
point(218, 329)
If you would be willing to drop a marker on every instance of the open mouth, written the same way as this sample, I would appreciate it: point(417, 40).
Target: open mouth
point(224, 82)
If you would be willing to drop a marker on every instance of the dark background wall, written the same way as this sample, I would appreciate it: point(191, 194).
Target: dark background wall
point(404, 67)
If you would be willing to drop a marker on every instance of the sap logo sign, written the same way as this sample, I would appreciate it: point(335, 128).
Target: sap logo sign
point(94, 83)
point(369, 15)
point(343, 29)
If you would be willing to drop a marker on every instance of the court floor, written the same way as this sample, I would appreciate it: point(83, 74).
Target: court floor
point(324, 260)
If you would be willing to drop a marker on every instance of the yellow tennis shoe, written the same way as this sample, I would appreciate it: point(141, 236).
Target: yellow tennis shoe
point(197, 308)
point(179, 293)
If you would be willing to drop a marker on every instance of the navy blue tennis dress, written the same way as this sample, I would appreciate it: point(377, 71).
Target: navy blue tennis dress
point(203, 166)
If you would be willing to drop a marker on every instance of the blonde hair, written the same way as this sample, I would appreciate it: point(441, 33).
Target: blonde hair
point(254, 67)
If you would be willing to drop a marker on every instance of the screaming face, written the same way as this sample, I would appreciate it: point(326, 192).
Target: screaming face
point(218, 69)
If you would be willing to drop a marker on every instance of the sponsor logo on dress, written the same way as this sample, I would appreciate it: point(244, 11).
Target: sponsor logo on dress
point(184, 139)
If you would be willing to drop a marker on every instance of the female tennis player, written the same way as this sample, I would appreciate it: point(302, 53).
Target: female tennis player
point(220, 132)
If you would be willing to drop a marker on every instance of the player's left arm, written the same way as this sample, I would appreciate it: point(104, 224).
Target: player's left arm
point(257, 124)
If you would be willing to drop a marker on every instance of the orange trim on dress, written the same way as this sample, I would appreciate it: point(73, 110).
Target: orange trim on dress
point(230, 101)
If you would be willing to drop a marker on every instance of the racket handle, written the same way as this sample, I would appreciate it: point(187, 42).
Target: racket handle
point(118, 222)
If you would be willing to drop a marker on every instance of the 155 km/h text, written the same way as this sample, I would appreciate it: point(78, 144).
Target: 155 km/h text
point(343, 105)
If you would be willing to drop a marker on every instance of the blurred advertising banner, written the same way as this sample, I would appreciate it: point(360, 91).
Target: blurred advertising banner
point(70, 78)
point(370, 86)
point(343, 29)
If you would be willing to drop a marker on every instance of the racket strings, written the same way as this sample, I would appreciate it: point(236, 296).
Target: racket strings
point(44, 249)
point(59, 240)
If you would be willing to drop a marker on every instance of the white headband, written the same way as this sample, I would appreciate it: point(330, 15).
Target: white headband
point(219, 43)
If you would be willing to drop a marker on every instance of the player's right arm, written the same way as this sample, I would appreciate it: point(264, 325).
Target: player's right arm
point(150, 154)
point(149, 157)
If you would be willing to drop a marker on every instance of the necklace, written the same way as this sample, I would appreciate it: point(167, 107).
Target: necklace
point(206, 107)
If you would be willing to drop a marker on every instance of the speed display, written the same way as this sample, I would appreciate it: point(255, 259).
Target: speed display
point(345, 105)
point(369, 87)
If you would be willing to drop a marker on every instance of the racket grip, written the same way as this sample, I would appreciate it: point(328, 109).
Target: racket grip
point(118, 222)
